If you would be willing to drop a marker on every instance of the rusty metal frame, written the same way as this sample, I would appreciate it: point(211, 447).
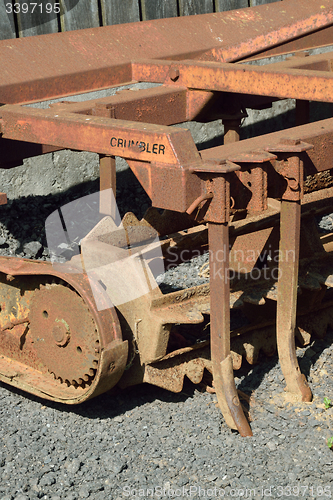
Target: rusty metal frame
point(200, 76)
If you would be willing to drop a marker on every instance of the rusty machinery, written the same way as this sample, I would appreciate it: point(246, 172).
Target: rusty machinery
point(253, 194)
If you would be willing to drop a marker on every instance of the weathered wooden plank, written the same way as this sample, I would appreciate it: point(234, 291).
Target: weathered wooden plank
point(222, 5)
point(7, 26)
point(156, 9)
point(79, 14)
point(37, 18)
point(193, 7)
point(114, 12)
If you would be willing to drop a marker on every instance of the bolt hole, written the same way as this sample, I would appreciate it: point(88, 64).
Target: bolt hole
point(45, 314)
point(79, 349)
point(249, 184)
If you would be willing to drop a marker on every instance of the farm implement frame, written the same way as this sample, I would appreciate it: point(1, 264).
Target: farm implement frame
point(259, 194)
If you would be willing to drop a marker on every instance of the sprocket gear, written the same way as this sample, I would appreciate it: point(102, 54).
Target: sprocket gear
point(64, 334)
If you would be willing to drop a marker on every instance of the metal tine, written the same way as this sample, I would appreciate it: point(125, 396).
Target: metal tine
point(220, 331)
point(287, 300)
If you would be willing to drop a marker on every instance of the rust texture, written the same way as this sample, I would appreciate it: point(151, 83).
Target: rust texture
point(100, 58)
point(239, 201)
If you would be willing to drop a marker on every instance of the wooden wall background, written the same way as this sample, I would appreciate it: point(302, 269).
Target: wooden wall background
point(78, 14)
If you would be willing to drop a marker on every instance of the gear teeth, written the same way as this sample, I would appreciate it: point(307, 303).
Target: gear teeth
point(86, 377)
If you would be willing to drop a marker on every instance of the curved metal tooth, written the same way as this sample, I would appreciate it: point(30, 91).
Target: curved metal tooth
point(236, 360)
point(272, 293)
point(251, 353)
point(303, 336)
point(236, 300)
point(329, 281)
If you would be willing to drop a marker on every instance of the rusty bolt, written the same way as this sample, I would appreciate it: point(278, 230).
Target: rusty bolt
point(235, 401)
point(293, 184)
point(60, 332)
point(174, 74)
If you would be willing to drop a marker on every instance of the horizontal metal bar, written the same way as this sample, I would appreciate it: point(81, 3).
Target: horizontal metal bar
point(35, 68)
point(132, 140)
point(161, 105)
point(319, 134)
point(321, 38)
point(32, 86)
point(247, 79)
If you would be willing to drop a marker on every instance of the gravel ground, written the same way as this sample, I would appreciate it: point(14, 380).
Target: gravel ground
point(147, 442)
point(145, 438)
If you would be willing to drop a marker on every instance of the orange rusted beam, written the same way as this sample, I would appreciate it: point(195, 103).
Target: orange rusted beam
point(132, 140)
point(34, 68)
point(279, 81)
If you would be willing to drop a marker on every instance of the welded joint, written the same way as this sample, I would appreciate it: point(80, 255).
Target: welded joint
point(292, 168)
point(292, 172)
point(215, 177)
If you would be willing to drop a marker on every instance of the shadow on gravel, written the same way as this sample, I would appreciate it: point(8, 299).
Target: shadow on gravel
point(25, 217)
point(116, 402)
point(252, 377)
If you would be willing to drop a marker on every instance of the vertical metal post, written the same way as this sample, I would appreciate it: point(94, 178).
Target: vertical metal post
point(231, 130)
point(218, 235)
point(107, 182)
point(290, 224)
